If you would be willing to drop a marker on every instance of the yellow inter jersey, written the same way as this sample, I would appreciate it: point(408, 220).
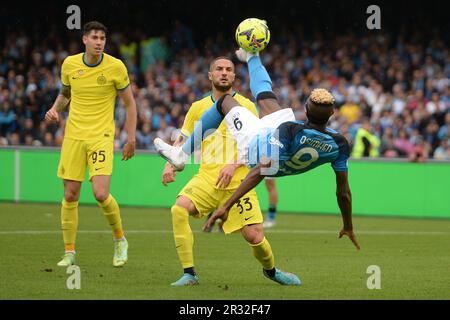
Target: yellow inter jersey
point(93, 95)
point(219, 148)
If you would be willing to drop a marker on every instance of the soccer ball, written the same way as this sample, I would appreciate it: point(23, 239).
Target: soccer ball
point(252, 35)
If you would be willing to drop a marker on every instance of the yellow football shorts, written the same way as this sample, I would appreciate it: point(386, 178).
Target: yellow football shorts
point(206, 198)
point(98, 155)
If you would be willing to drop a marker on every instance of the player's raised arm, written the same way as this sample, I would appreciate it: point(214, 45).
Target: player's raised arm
point(344, 199)
point(130, 123)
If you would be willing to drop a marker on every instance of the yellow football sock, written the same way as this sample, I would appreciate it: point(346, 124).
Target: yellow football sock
point(263, 252)
point(111, 211)
point(69, 224)
point(182, 233)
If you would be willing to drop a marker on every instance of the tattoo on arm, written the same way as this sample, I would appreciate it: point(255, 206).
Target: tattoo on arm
point(63, 99)
point(65, 91)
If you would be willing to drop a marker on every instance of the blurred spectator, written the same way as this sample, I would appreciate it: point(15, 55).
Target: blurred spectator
point(350, 111)
point(443, 151)
point(7, 119)
point(366, 142)
point(402, 144)
point(153, 51)
point(420, 151)
point(145, 137)
point(387, 146)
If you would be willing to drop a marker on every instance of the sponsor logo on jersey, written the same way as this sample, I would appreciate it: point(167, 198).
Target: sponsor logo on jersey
point(275, 142)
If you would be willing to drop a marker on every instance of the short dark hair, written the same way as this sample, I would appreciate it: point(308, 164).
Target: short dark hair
point(219, 58)
point(93, 25)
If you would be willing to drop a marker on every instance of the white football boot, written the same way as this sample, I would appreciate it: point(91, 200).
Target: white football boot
point(175, 155)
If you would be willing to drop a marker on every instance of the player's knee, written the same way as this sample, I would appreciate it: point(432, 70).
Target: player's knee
point(256, 238)
point(101, 195)
point(186, 203)
point(253, 233)
point(71, 195)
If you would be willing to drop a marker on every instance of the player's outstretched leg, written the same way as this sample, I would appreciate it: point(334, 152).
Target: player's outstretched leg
point(174, 155)
point(261, 87)
point(208, 122)
point(260, 82)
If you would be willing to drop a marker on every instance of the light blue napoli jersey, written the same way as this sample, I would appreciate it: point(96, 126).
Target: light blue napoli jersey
point(295, 147)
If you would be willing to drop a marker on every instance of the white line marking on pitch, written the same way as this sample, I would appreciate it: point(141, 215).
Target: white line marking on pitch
point(371, 232)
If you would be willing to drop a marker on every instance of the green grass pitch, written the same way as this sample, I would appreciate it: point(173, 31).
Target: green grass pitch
point(413, 256)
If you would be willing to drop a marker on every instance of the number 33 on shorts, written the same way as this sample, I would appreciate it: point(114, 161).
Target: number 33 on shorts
point(244, 212)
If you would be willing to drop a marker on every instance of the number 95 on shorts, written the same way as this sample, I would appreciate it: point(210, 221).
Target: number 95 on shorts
point(97, 155)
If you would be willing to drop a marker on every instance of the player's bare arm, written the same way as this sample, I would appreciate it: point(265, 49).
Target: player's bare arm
point(60, 104)
point(252, 179)
point(130, 123)
point(169, 172)
point(344, 199)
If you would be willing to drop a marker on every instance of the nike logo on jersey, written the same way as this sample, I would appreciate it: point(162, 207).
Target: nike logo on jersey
point(98, 168)
point(248, 218)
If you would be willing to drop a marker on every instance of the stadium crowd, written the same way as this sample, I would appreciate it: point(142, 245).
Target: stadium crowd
point(392, 90)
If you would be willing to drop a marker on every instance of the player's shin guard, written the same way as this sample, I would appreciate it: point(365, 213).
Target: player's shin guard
point(69, 224)
point(263, 252)
point(259, 78)
point(111, 212)
point(182, 233)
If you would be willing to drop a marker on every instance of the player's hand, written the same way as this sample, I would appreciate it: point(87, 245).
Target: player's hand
point(243, 55)
point(52, 115)
point(168, 174)
point(351, 235)
point(221, 213)
point(128, 150)
point(225, 176)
